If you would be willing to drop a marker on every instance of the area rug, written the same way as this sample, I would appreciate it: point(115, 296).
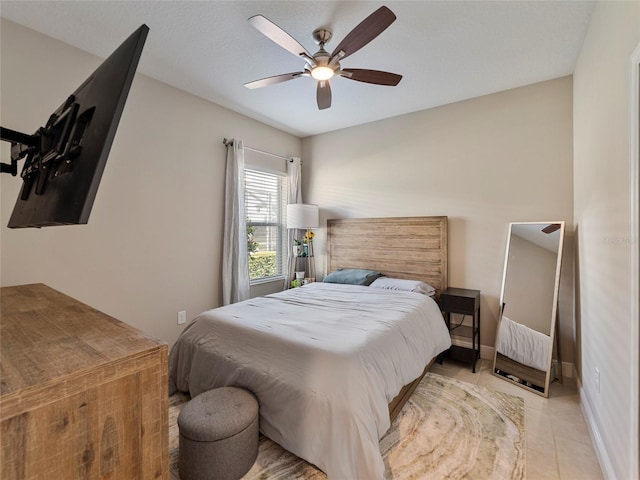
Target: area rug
point(447, 430)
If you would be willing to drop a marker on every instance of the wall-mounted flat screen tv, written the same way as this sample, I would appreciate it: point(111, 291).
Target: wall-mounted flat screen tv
point(65, 158)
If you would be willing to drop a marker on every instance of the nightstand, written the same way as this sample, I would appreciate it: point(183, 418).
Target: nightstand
point(464, 302)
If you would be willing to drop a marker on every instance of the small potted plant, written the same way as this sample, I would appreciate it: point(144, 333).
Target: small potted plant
point(297, 248)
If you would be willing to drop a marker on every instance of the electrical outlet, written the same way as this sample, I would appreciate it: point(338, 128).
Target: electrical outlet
point(182, 317)
point(597, 379)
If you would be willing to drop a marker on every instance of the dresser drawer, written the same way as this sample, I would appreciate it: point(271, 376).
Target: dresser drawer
point(458, 300)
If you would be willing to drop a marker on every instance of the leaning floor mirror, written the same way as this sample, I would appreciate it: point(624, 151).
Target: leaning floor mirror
point(527, 327)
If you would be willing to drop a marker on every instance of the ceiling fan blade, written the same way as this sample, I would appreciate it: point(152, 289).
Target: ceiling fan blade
point(367, 30)
point(265, 82)
point(372, 76)
point(551, 228)
point(278, 35)
point(323, 94)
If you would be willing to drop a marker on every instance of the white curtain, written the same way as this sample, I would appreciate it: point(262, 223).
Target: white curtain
point(294, 179)
point(235, 261)
point(294, 195)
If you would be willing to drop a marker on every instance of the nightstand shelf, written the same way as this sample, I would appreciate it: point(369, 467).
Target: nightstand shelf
point(464, 302)
point(306, 264)
point(461, 330)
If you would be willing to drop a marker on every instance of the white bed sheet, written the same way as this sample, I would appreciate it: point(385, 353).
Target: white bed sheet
point(323, 360)
point(523, 344)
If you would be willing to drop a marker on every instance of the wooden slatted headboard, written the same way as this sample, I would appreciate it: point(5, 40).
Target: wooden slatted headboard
point(401, 247)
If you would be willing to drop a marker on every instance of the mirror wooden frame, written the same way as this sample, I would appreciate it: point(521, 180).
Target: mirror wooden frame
point(527, 374)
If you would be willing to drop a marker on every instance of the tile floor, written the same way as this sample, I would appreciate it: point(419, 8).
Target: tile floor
point(559, 445)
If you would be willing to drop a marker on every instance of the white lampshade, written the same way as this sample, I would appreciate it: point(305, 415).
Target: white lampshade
point(302, 215)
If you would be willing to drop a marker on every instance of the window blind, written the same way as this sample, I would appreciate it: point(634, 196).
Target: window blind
point(265, 203)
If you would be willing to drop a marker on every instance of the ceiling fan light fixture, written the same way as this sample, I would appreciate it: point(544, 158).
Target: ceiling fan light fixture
point(322, 65)
point(322, 73)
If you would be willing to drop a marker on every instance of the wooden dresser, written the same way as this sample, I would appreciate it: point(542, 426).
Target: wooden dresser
point(82, 395)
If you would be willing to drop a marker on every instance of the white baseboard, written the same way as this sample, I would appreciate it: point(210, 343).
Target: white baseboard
point(487, 352)
point(596, 438)
point(568, 369)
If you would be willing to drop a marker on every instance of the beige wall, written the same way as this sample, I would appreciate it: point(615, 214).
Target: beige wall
point(604, 237)
point(153, 243)
point(484, 163)
point(152, 246)
point(530, 284)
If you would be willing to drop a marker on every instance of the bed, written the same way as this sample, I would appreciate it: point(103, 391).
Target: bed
point(330, 364)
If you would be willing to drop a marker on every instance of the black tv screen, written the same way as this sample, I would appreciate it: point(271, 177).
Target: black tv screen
point(65, 158)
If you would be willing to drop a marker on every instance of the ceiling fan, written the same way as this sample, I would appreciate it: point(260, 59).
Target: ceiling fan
point(551, 228)
point(322, 66)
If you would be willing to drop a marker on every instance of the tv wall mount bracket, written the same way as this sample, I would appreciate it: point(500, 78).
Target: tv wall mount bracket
point(51, 150)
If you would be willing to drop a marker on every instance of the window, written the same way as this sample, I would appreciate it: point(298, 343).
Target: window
point(265, 203)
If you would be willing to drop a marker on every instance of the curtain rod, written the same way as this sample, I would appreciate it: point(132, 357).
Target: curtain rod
point(230, 142)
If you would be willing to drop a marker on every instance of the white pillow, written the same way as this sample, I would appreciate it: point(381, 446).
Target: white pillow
point(387, 283)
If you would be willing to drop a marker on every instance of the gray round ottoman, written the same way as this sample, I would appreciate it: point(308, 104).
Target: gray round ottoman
point(218, 435)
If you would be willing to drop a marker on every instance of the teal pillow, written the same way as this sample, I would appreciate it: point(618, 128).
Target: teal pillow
point(352, 276)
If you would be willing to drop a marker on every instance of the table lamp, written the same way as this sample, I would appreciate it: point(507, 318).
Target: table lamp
point(303, 216)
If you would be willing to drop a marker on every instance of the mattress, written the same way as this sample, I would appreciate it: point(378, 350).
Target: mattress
point(324, 361)
point(523, 344)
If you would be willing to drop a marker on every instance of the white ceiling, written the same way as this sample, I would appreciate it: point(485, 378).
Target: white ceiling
point(534, 234)
point(447, 51)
